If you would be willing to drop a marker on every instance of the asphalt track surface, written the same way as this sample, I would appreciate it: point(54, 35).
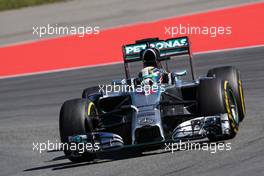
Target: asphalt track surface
point(29, 112)
point(29, 106)
point(16, 25)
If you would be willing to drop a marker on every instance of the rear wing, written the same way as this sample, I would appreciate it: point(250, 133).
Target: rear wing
point(167, 48)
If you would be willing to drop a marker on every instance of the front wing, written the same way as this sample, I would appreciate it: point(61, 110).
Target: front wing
point(197, 128)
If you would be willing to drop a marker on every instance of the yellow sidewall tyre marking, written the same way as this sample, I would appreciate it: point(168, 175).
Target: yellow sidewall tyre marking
point(232, 122)
point(91, 104)
point(242, 97)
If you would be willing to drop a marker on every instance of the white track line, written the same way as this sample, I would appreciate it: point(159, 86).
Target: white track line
point(119, 62)
point(228, 49)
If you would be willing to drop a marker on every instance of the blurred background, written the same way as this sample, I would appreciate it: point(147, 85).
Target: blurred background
point(16, 24)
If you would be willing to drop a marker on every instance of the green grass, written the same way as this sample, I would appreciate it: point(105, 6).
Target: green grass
point(14, 4)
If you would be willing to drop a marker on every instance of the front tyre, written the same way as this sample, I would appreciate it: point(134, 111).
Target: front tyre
point(75, 120)
point(216, 97)
point(232, 75)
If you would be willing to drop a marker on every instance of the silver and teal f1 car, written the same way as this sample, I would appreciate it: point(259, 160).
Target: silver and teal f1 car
point(210, 107)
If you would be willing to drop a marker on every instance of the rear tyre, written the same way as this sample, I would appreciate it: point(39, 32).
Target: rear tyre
point(232, 75)
point(86, 94)
point(75, 120)
point(216, 97)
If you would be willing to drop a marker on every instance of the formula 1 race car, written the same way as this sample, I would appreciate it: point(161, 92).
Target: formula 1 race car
point(155, 107)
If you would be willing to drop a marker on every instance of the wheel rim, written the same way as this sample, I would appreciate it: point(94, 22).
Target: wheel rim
point(233, 106)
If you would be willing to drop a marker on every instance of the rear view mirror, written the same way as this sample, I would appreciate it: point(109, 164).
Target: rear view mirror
point(181, 73)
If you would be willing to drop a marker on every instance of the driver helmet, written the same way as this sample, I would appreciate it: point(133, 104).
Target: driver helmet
point(150, 58)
